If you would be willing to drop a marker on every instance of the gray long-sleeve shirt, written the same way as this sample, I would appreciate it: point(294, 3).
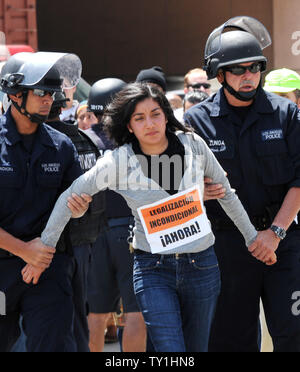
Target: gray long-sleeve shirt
point(121, 171)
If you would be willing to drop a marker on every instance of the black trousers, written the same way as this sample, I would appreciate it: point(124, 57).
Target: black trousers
point(47, 308)
point(82, 255)
point(244, 282)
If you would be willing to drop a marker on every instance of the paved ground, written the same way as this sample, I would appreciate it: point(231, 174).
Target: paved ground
point(267, 344)
point(112, 348)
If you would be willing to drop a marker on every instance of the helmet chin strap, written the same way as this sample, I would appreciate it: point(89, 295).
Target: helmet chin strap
point(241, 96)
point(35, 118)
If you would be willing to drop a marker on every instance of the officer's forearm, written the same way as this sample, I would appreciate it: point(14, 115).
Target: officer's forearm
point(289, 209)
point(11, 244)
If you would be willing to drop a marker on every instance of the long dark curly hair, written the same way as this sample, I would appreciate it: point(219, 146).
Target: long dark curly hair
point(118, 113)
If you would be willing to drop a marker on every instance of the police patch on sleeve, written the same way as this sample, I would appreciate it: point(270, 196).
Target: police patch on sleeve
point(272, 134)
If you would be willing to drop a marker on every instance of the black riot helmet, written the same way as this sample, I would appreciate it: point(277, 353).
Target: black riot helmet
point(10, 73)
point(102, 93)
point(239, 40)
point(28, 71)
point(236, 47)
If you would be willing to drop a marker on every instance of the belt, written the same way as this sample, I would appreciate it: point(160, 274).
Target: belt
point(172, 255)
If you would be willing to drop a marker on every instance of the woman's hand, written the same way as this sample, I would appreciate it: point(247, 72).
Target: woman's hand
point(79, 205)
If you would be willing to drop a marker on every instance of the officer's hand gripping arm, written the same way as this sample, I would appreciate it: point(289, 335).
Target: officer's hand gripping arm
point(233, 207)
point(213, 191)
point(267, 242)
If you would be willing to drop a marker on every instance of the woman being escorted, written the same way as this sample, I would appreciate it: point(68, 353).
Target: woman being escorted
point(159, 168)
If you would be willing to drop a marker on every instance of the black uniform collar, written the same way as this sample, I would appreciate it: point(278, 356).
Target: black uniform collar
point(221, 106)
point(12, 135)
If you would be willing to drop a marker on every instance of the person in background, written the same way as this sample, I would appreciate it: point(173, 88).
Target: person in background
point(155, 76)
point(176, 104)
point(196, 79)
point(6, 103)
point(285, 83)
point(193, 98)
point(69, 112)
point(70, 85)
point(85, 119)
point(101, 92)
point(175, 100)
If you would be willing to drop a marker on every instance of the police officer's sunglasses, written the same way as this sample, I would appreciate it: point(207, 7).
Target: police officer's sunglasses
point(43, 93)
point(239, 70)
point(199, 86)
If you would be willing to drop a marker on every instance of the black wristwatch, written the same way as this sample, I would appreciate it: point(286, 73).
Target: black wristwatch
point(279, 231)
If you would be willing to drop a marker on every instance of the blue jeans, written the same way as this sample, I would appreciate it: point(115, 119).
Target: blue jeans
point(177, 296)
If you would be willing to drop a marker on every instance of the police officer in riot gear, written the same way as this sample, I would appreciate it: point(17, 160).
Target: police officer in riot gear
point(223, 51)
point(255, 135)
point(100, 95)
point(83, 232)
point(112, 264)
point(36, 165)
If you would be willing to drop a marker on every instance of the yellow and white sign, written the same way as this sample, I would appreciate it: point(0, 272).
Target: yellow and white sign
point(175, 221)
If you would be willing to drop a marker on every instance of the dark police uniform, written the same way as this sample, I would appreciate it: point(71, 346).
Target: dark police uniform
point(259, 147)
point(83, 232)
point(33, 173)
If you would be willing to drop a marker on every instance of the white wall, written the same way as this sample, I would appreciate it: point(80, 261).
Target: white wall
point(286, 35)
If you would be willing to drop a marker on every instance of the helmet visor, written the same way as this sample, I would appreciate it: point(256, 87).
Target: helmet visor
point(243, 23)
point(70, 69)
point(37, 67)
point(213, 44)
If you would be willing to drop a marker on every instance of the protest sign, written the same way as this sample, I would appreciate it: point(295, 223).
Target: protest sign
point(175, 221)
